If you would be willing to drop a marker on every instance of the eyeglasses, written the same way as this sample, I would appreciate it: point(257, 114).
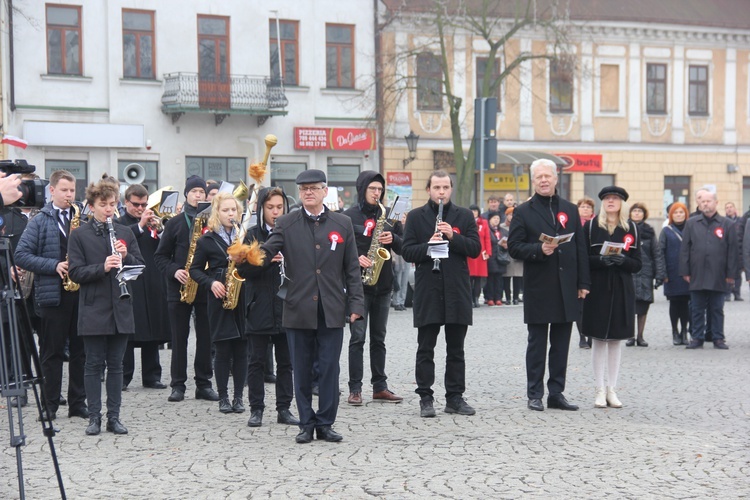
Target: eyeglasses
point(376, 189)
point(310, 189)
point(138, 205)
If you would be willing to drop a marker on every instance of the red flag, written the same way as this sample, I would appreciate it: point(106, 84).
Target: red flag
point(14, 141)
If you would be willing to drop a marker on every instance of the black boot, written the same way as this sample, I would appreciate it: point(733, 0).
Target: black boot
point(684, 337)
point(676, 337)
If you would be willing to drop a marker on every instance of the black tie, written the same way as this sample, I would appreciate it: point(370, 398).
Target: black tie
point(66, 221)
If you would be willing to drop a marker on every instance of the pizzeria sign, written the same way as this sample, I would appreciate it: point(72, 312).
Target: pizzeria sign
point(339, 139)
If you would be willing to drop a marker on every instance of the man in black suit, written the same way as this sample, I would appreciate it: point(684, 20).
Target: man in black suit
point(444, 297)
point(171, 256)
point(322, 265)
point(554, 278)
point(151, 325)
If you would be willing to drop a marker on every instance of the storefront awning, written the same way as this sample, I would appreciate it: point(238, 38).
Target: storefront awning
point(526, 157)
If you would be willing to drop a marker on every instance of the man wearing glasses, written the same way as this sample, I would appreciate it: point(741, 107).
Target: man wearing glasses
point(364, 216)
point(322, 270)
point(149, 298)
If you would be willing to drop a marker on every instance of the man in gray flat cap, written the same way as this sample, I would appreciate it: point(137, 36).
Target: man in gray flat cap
point(322, 270)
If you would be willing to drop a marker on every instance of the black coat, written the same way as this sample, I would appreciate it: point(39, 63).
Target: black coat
point(316, 271)
point(100, 309)
point(263, 307)
point(445, 297)
point(493, 265)
point(210, 264)
point(609, 310)
point(360, 214)
point(652, 266)
point(149, 294)
point(709, 253)
point(670, 242)
point(550, 283)
point(172, 253)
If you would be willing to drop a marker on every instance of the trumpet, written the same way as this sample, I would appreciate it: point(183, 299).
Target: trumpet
point(124, 294)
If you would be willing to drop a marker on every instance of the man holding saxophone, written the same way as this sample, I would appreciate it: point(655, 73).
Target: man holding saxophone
point(171, 256)
point(43, 250)
point(372, 231)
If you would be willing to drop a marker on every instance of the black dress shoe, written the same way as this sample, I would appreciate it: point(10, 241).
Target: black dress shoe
point(155, 385)
point(206, 393)
point(177, 395)
point(305, 436)
point(695, 344)
point(114, 425)
point(459, 406)
point(79, 412)
point(535, 404)
point(256, 418)
point(630, 342)
point(95, 425)
point(286, 417)
point(558, 401)
point(325, 432)
point(62, 401)
point(426, 408)
point(52, 416)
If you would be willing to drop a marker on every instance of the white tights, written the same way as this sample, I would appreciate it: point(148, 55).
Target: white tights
point(606, 353)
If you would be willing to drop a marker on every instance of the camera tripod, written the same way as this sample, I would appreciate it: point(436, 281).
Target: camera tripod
point(20, 368)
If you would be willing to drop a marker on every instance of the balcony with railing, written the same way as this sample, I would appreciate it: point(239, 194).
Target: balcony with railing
point(222, 96)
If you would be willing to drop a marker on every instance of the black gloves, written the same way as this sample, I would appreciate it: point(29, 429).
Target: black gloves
point(612, 260)
point(658, 283)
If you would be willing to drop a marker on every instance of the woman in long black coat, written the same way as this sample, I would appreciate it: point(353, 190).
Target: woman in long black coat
point(676, 289)
point(652, 268)
point(609, 310)
point(227, 325)
point(493, 290)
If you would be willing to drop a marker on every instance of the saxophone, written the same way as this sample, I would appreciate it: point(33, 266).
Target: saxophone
point(189, 290)
point(233, 283)
point(377, 254)
point(68, 284)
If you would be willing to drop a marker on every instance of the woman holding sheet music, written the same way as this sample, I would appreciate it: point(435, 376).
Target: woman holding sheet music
point(609, 311)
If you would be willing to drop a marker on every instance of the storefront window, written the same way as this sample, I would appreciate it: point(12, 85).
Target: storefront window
point(677, 188)
point(344, 179)
point(593, 183)
point(284, 174)
point(76, 167)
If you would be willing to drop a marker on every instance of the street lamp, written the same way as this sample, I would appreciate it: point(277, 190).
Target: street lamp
point(411, 143)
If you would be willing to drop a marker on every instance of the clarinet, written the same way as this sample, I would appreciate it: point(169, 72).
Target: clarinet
point(124, 294)
point(438, 220)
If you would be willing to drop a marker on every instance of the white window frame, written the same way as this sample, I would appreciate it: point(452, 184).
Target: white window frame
point(622, 77)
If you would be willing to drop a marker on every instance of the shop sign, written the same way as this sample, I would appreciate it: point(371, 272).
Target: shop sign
point(398, 178)
point(338, 139)
point(581, 163)
point(505, 182)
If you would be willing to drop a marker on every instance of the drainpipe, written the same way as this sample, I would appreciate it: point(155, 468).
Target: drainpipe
point(11, 57)
point(380, 126)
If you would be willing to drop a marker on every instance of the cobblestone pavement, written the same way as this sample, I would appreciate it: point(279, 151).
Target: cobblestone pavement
point(683, 432)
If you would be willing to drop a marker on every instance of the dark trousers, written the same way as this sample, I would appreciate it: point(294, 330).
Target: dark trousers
point(679, 312)
point(101, 349)
point(150, 365)
point(493, 289)
point(179, 319)
point(58, 325)
point(536, 354)
point(455, 365)
point(258, 347)
point(516, 286)
point(707, 307)
point(476, 287)
point(302, 345)
point(376, 313)
point(230, 354)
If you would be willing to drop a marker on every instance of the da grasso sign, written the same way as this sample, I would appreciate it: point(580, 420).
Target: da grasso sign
point(338, 139)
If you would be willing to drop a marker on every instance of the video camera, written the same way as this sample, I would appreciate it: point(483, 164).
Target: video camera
point(33, 191)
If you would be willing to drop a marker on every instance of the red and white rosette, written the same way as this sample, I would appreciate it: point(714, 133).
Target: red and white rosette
point(562, 218)
point(369, 226)
point(335, 238)
point(629, 239)
point(205, 230)
point(456, 230)
point(719, 232)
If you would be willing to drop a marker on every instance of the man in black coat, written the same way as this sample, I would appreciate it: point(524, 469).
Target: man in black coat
point(171, 257)
point(105, 319)
point(323, 270)
point(554, 278)
point(149, 299)
point(365, 216)
point(444, 297)
point(709, 259)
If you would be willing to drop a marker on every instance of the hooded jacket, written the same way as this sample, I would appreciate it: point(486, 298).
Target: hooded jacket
point(363, 212)
point(263, 308)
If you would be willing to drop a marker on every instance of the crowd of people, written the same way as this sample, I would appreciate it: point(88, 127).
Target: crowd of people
point(287, 287)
